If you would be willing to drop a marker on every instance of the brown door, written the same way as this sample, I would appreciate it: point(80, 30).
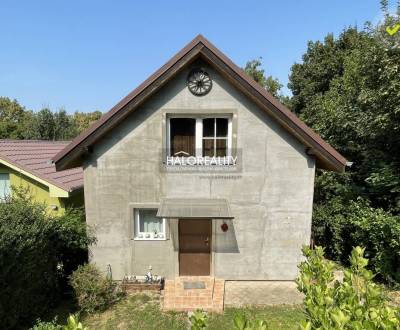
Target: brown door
point(194, 247)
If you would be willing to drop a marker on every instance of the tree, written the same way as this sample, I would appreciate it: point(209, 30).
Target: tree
point(254, 70)
point(83, 120)
point(347, 89)
point(355, 105)
point(63, 126)
point(11, 119)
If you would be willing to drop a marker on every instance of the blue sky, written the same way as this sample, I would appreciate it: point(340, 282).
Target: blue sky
point(86, 55)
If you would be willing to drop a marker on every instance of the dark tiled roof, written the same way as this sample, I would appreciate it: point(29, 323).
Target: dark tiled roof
point(34, 156)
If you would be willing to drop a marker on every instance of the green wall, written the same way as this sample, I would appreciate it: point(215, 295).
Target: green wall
point(40, 193)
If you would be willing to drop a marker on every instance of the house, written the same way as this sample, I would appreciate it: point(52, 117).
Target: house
point(27, 164)
point(200, 172)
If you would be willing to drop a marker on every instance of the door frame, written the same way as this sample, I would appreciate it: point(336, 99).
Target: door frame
point(212, 251)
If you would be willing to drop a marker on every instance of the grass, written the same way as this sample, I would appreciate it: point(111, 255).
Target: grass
point(143, 312)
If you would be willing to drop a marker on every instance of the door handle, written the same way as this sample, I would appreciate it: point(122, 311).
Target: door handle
point(206, 240)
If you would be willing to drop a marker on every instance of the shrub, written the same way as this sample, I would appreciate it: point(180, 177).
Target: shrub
point(72, 238)
point(28, 265)
point(241, 322)
point(339, 226)
point(198, 320)
point(72, 324)
point(41, 325)
point(356, 303)
point(33, 245)
point(93, 291)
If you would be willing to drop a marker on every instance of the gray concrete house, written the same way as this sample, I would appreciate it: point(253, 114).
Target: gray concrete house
point(200, 171)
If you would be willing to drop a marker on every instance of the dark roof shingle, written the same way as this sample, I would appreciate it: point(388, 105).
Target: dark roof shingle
point(34, 156)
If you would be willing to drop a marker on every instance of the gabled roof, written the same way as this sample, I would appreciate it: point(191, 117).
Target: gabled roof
point(33, 159)
point(326, 156)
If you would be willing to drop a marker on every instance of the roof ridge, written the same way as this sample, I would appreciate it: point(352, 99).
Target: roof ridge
point(34, 141)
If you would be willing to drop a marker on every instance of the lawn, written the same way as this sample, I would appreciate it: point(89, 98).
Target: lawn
point(143, 312)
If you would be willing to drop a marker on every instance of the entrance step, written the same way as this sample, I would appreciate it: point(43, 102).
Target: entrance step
point(190, 293)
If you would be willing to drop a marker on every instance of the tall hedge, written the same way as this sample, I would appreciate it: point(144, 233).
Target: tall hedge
point(36, 250)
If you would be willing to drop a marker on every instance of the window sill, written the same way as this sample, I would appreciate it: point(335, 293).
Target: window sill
point(149, 239)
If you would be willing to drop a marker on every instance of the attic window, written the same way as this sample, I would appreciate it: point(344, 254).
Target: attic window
point(204, 136)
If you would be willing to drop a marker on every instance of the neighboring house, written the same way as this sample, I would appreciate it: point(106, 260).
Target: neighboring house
point(27, 164)
point(200, 171)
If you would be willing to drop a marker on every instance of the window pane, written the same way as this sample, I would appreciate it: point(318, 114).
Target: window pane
point(149, 223)
point(222, 146)
point(4, 185)
point(222, 127)
point(208, 127)
point(182, 132)
point(208, 147)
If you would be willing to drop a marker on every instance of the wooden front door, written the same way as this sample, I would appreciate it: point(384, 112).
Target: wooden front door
point(194, 247)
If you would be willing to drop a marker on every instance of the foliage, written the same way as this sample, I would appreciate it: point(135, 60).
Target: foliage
point(354, 104)
point(241, 322)
point(340, 225)
point(27, 262)
point(52, 325)
point(30, 255)
point(18, 123)
point(74, 324)
point(72, 238)
point(356, 303)
point(198, 320)
point(93, 291)
point(254, 70)
point(12, 118)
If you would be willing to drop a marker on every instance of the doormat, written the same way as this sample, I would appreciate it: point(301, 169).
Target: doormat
point(193, 285)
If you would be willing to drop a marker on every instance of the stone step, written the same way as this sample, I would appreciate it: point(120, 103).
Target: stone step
point(211, 298)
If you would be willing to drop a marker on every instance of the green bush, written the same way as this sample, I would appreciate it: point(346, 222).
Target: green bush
point(198, 320)
point(72, 239)
point(42, 325)
point(241, 322)
point(72, 324)
point(339, 226)
point(28, 264)
point(356, 303)
point(35, 248)
point(93, 291)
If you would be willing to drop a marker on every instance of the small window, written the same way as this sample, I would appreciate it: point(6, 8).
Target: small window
point(147, 225)
point(4, 186)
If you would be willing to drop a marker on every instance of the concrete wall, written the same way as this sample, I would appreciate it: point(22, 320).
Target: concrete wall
point(271, 198)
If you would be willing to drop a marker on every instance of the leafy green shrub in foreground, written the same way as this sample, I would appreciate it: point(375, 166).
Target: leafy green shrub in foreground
point(72, 324)
point(93, 291)
point(356, 303)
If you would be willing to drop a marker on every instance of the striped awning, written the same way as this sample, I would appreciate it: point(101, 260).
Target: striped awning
point(191, 208)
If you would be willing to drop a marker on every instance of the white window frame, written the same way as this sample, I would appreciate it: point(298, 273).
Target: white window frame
point(146, 236)
point(4, 198)
point(199, 131)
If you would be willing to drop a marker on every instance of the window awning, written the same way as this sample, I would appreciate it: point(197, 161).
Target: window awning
point(194, 208)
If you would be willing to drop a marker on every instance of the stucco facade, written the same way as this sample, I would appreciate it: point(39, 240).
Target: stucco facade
point(270, 196)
